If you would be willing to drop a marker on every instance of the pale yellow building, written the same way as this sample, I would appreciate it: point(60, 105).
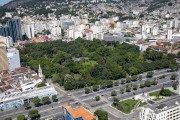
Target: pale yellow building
point(3, 57)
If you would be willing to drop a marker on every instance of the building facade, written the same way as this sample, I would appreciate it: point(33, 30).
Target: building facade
point(15, 29)
point(7, 41)
point(29, 29)
point(13, 58)
point(19, 98)
point(161, 112)
point(12, 29)
point(4, 31)
point(3, 58)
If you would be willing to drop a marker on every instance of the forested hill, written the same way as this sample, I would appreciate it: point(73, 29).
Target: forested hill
point(153, 4)
point(83, 63)
point(15, 3)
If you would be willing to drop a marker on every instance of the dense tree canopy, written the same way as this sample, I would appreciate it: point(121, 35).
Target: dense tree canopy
point(33, 114)
point(166, 92)
point(21, 117)
point(82, 63)
point(8, 118)
point(102, 115)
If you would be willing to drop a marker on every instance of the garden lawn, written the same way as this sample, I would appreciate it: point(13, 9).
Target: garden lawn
point(157, 99)
point(127, 105)
point(162, 92)
point(156, 93)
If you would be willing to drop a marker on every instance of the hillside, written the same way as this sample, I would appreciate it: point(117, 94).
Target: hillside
point(157, 4)
point(153, 4)
point(15, 3)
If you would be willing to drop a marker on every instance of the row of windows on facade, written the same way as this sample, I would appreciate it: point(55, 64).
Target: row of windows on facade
point(13, 29)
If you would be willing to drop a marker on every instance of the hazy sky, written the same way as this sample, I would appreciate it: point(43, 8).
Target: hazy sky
point(2, 2)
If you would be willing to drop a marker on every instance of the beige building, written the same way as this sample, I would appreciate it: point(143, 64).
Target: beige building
point(7, 41)
point(3, 58)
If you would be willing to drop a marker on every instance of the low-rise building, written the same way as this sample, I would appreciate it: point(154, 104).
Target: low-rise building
point(21, 85)
point(167, 111)
point(19, 98)
point(79, 113)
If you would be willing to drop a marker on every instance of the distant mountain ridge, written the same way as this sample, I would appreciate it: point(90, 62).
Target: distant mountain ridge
point(154, 4)
point(15, 3)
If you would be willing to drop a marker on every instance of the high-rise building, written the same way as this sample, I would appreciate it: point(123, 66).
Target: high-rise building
point(15, 29)
point(28, 27)
point(4, 31)
point(13, 58)
point(3, 58)
point(169, 34)
point(40, 74)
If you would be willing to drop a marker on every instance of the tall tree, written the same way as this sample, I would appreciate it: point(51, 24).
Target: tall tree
point(21, 117)
point(36, 101)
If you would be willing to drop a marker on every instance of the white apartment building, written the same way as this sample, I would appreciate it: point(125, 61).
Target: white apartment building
point(169, 34)
point(13, 58)
point(28, 27)
point(155, 31)
point(161, 112)
point(73, 34)
point(19, 98)
point(54, 27)
point(89, 36)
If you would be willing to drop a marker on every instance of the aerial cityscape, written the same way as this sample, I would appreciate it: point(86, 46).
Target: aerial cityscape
point(89, 60)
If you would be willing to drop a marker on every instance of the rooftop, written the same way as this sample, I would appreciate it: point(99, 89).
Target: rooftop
point(79, 112)
point(166, 104)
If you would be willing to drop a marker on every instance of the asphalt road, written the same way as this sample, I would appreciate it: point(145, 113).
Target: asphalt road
point(80, 98)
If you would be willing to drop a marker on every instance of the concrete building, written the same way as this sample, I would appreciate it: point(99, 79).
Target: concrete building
point(13, 58)
point(169, 34)
point(65, 24)
point(176, 23)
point(54, 27)
point(77, 34)
point(155, 31)
point(7, 41)
point(109, 37)
point(19, 98)
point(73, 34)
point(40, 26)
point(89, 36)
point(3, 58)
point(99, 36)
point(168, 111)
point(79, 113)
point(28, 29)
point(20, 86)
point(30, 81)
